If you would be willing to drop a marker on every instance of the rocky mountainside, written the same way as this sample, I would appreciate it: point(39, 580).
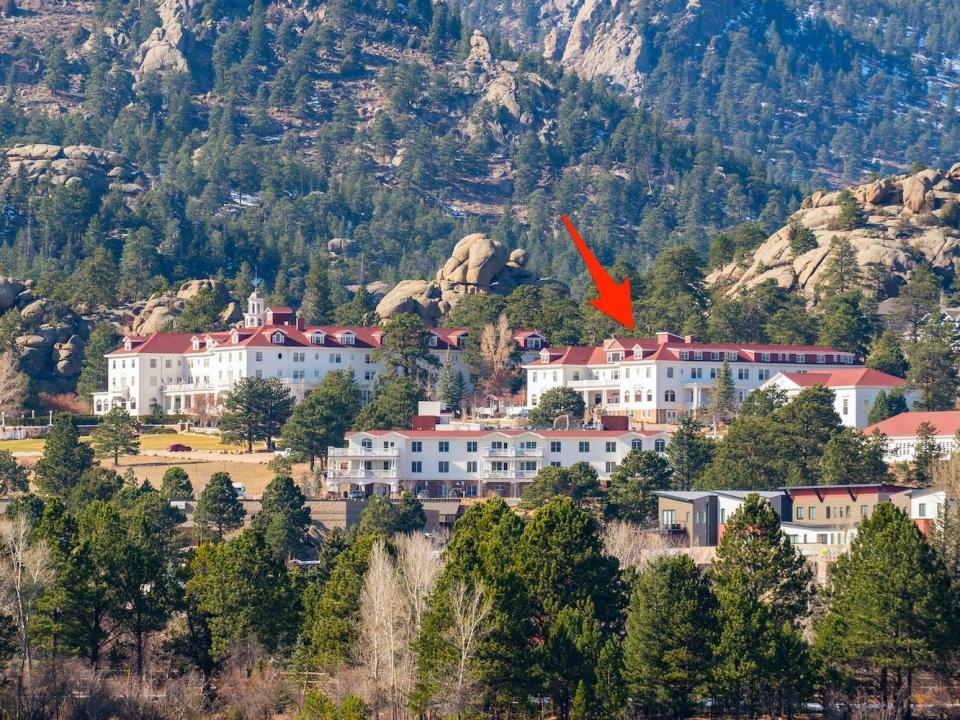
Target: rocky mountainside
point(882, 76)
point(908, 218)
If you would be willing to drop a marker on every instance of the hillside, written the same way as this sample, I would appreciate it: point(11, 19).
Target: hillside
point(903, 220)
point(248, 138)
point(806, 84)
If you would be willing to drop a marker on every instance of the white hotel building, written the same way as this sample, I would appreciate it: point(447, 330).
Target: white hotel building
point(191, 372)
point(656, 379)
point(449, 462)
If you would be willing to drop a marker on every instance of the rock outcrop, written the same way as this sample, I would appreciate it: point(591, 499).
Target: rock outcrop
point(160, 312)
point(478, 264)
point(92, 167)
point(168, 45)
point(48, 337)
point(906, 221)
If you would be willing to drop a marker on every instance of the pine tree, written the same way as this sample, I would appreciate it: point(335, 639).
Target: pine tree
point(933, 365)
point(689, 453)
point(926, 453)
point(851, 216)
point(886, 355)
point(842, 271)
point(255, 409)
point(176, 484)
point(14, 477)
point(451, 386)
point(359, 311)
point(316, 308)
point(93, 376)
point(393, 406)
point(115, 435)
point(282, 506)
point(763, 587)
point(671, 628)
point(889, 612)
point(919, 299)
point(218, 506)
point(64, 458)
point(323, 417)
point(632, 484)
point(723, 405)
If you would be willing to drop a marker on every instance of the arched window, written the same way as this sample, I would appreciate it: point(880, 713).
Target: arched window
point(626, 396)
point(669, 396)
point(133, 404)
point(649, 395)
point(99, 406)
point(659, 445)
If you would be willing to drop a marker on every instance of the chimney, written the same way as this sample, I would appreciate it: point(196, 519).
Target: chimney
point(424, 422)
point(299, 321)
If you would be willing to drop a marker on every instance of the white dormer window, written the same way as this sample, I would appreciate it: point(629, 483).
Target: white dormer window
point(544, 356)
point(347, 338)
point(765, 357)
point(234, 337)
point(195, 343)
point(433, 341)
point(278, 338)
point(613, 357)
point(533, 343)
point(684, 355)
point(127, 344)
point(462, 341)
point(801, 358)
point(318, 338)
point(697, 355)
point(714, 355)
point(821, 358)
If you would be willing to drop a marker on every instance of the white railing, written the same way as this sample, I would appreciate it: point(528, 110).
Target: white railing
point(488, 475)
point(593, 383)
point(363, 452)
point(511, 452)
point(353, 475)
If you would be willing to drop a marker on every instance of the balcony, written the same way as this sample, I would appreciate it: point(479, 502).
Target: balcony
point(362, 452)
point(361, 475)
point(594, 384)
point(512, 452)
point(514, 474)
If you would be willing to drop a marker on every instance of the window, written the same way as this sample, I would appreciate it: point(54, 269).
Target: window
point(636, 444)
point(297, 374)
point(864, 510)
point(826, 514)
point(668, 517)
point(498, 445)
point(822, 538)
point(811, 513)
point(366, 444)
point(153, 362)
point(299, 357)
point(659, 445)
point(723, 515)
point(529, 444)
point(922, 510)
point(684, 355)
point(743, 373)
point(258, 356)
point(801, 358)
point(765, 357)
point(444, 446)
point(696, 373)
point(611, 447)
point(846, 407)
point(471, 466)
point(416, 466)
point(799, 513)
point(416, 446)
point(278, 338)
point(584, 446)
point(669, 396)
point(554, 463)
point(669, 372)
point(763, 374)
point(443, 466)
point(471, 446)
point(347, 338)
point(366, 358)
point(697, 355)
point(368, 375)
point(554, 446)
point(610, 466)
point(168, 363)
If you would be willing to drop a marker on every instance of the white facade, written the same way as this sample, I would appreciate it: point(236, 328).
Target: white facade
point(855, 390)
point(474, 463)
point(902, 433)
point(657, 379)
point(191, 372)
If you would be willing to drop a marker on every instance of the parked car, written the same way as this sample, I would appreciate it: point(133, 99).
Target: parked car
point(286, 453)
point(179, 447)
point(241, 490)
point(355, 494)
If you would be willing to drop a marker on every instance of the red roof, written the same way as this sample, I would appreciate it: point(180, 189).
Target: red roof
point(848, 377)
point(945, 422)
point(364, 337)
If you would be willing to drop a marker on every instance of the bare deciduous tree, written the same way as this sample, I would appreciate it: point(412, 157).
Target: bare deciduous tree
point(418, 564)
point(385, 637)
point(469, 608)
point(632, 544)
point(497, 351)
point(26, 570)
point(13, 384)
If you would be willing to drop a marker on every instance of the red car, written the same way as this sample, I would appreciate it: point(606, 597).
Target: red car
point(177, 447)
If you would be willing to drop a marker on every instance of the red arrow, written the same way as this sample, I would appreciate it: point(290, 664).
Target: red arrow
point(615, 299)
